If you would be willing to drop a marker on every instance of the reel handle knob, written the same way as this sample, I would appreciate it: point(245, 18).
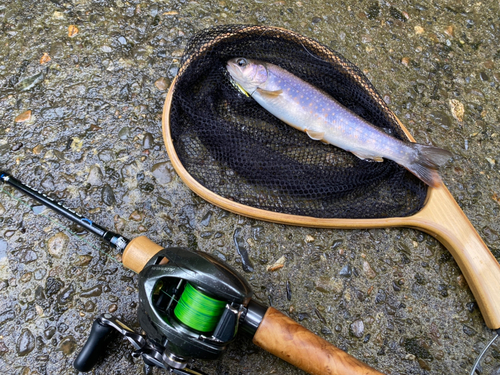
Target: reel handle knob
point(98, 339)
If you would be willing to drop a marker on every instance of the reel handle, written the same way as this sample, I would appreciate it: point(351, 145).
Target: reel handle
point(93, 349)
point(288, 340)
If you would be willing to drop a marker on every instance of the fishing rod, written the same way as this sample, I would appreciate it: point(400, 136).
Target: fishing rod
point(192, 306)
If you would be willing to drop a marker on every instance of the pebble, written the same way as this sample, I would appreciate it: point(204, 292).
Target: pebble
point(457, 109)
point(277, 265)
point(119, 223)
point(26, 277)
point(124, 133)
point(346, 271)
point(161, 173)
point(95, 175)
point(25, 343)
point(45, 58)
point(107, 195)
point(161, 84)
point(83, 260)
point(23, 117)
point(37, 150)
point(49, 332)
point(368, 270)
point(136, 216)
point(112, 308)
point(30, 82)
point(57, 244)
point(357, 328)
point(89, 306)
point(148, 141)
point(72, 31)
point(68, 345)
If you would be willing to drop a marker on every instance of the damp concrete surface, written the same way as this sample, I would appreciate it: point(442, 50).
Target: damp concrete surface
point(82, 86)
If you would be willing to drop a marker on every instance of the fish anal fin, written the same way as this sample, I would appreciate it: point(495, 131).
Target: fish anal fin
point(316, 135)
point(269, 94)
point(378, 159)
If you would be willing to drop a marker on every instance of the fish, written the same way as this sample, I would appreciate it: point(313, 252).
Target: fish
point(311, 110)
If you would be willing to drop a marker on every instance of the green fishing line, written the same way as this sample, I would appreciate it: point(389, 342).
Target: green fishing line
point(197, 310)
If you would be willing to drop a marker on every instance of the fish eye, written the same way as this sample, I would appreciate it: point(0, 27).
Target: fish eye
point(241, 62)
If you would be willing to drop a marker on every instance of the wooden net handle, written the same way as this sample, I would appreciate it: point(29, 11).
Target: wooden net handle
point(288, 340)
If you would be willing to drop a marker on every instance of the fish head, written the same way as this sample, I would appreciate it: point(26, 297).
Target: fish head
point(248, 74)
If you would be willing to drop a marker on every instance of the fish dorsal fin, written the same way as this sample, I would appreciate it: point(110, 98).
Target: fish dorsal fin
point(269, 94)
point(369, 157)
point(316, 135)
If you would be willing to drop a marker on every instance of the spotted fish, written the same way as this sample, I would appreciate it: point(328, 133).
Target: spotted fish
point(311, 110)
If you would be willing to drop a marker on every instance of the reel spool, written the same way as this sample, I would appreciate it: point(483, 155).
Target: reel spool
point(194, 305)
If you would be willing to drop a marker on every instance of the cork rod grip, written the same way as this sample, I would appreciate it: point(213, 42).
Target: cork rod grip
point(288, 340)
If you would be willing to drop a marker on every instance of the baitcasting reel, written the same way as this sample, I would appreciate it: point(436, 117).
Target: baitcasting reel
point(191, 305)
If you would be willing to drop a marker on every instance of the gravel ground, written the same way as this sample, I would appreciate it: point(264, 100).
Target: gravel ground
point(82, 86)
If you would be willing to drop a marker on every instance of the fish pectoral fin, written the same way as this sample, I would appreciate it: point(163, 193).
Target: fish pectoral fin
point(316, 135)
point(378, 159)
point(269, 94)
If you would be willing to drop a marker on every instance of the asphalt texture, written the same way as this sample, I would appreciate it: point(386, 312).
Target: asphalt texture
point(82, 87)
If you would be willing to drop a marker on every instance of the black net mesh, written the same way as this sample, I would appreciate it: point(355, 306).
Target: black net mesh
point(238, 150)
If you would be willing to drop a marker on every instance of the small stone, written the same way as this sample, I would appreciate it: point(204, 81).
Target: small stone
point(72, 31)
point(119, 224)
point(26, 277)
point(23, 117)
point(423, 364)
point(357, 328)
point(106, 49)
point(405, 61)
point(450, 30)
point(57, 244)
point(123, 133)
point(277, 265)
point(89, 306)
point(83, 260)
point(112, 308)
point(469, 331)
point(147, 142)
point(136, 216)
point(95, 175)
point(45, 58)
point(37, 150)
point(39, 310)
point(107, 195)
point(368, 270)
point(25, 343)
point(457, 109)
point(309, 238)
point(419, 30)
point(161, 173)
point(346, 271)
point(68, 345)
point(161, 84)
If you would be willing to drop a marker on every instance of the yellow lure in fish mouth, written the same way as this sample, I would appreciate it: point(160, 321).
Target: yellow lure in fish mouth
point(237, 85)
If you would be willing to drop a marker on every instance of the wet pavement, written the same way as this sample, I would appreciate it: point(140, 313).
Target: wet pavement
point(82, 86)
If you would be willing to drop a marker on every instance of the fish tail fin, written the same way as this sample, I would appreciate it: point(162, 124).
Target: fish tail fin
point(426, 163)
